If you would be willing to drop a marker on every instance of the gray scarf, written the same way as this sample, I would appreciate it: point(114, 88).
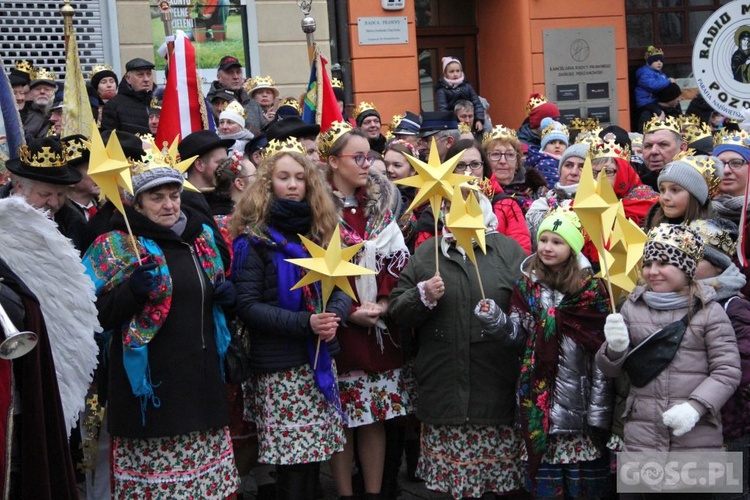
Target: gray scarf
point(729, 207)
point(179, 227)
point(665, 301)
point(727, 284)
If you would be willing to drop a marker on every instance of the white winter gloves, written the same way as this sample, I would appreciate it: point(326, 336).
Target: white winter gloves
point(681, 418)
point(616, 333)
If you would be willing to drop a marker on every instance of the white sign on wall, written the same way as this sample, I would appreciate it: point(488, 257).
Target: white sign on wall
point(382, 30)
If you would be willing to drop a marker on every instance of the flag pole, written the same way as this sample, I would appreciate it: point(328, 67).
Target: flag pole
point(67, 12)
point(308, 27)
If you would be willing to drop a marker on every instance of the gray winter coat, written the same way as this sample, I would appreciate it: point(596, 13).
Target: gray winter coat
point(706, 370)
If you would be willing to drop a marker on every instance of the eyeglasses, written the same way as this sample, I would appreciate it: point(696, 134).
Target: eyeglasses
point(734, 164)
point(475, 166)
point(509, 156)
point(609, 172)
point(360, 159)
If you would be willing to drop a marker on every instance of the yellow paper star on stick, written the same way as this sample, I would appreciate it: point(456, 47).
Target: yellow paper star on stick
point(108, 167)
point(434, 180)
point(331, 267)
point(466, 222)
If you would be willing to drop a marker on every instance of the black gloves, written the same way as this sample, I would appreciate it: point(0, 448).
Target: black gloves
point(224, 294)
point(142, 281)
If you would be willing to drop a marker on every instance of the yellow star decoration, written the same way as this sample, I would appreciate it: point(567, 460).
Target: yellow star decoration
point(596, 206)
point(108, 167)
point(167, 156)
point(330, 266)
point(466, 222)
point(434, 180)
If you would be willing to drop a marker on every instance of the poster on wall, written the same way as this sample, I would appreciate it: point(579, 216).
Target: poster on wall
point(721, 60)
point(216, 28)
point(580, 73)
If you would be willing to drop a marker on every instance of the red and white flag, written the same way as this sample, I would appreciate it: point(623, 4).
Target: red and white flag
point(183, 110)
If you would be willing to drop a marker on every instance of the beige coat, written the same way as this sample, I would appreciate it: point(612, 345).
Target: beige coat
point(706, 369)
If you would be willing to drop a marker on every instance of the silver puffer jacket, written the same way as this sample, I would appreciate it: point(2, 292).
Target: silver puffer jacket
point(583, 397)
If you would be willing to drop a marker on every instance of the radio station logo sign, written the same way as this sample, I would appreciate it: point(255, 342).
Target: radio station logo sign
point(721, 59)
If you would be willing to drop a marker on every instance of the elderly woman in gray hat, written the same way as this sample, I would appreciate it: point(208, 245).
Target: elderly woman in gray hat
point(160, 297)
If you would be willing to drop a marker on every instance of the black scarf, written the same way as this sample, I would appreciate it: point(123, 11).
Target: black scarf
point(289, 216)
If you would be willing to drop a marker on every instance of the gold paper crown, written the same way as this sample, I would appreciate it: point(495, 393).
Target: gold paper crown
point(275, 147)
point(499, 132)
point(589, 137)
point(653, 51)
point(257, 82)
point(741, 138)
point(608, 148)
point(98, 68)
point(636, 140)
point(395, 122)
point(464, 128)
point(587, 124)
point(685, 120)
point(362, 107)
point(292, 103)
point(705, 165)
point(154, 104)
point(327, 139)
point(668, 123)
point(534, 101)
point(389, 136)
point(679, 236)
point(45, 158)
point(336, 83)
point(715, 236)
point(145, 137)
point(43, 74)
point(692, 133)
point(75, 147)
point(168, 156)
point(555, 127)
point(25, 66)
point(236, 108)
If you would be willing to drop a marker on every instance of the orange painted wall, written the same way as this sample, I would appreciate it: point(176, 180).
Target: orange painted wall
point(511, 49)
point(386, 75)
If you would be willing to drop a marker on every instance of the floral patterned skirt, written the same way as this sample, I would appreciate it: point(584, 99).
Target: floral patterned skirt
point(470, 460)
point(193, 465)
point(295, 422)
point(369, 397)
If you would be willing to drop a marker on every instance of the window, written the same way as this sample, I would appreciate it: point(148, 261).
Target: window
point(33, 31)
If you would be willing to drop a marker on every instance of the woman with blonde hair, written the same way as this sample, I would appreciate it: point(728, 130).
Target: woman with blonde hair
point(294, 400)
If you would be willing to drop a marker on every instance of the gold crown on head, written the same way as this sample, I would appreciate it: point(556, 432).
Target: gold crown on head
point(464, 128)
point(715, 237)
point(336, 83)
point(145, 137)
point(43, 74)
point(499, 132)
point(362, 107)
point(679, 236)
point(258, 82)
point(587, 124)
point(154, 104)
point(289, 145)
point(589, 137)
point(534, 101)
point(327, 139)
point(395, 122)
point(75, 147)
point(741, 138)
point(653, 51)
point(668, 123)
point(692, 133)
point(292, 103)
point(705, 165)
point(98, 68)
point(555, 127)
point(44, 159)
point(168, 156)
point(608, 148)
point(685, 120)
point(236, 108)
point(24, 66)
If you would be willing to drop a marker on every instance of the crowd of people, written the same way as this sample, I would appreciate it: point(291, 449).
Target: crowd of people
point(214, 367)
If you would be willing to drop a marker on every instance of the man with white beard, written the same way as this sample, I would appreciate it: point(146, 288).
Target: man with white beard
point(43, 86)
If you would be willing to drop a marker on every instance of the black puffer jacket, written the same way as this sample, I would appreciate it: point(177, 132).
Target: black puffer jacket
point(278, 337)
point(127, 111)
point(183, 359)
point(447, 97)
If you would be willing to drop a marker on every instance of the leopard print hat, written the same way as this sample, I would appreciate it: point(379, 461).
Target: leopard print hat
point(675, 244)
